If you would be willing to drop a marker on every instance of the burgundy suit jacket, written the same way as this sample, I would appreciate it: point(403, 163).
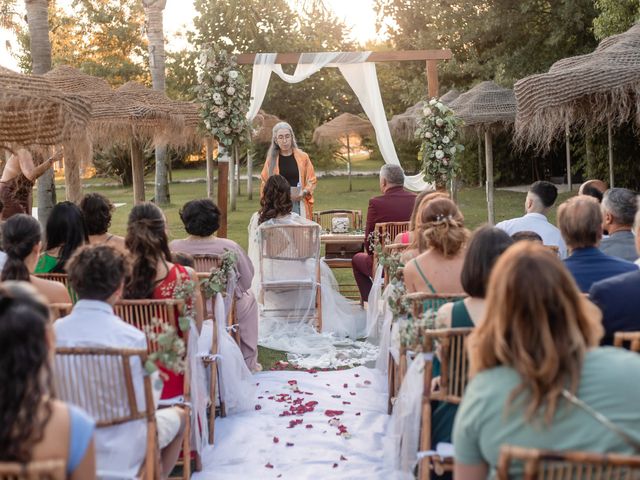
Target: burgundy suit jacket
point(395, 205)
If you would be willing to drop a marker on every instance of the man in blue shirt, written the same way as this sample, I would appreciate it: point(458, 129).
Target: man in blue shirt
point(580, 222)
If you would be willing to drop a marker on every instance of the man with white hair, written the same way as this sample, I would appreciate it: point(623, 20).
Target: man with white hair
point(618, 298)
point(540, 198)
point(619, 206)
point(394, 205)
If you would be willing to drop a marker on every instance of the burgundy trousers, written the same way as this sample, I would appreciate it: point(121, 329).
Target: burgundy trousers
point(362, 264)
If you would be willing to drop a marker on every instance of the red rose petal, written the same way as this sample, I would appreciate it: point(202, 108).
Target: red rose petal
point(358, 414)
point(276, 439)
point(345, 385)
point(367, 382)
point(292, 382)
point(333, 413)
point(343, 458)
point(268, 465)
point(308, 425)
point(258, 407)
point(335, 465)
point(289, 444)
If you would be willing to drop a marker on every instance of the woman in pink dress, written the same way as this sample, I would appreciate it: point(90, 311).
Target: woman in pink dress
point(201, 219)
point(154, 276)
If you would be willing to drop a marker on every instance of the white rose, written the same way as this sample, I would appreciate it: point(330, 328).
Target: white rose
point(428, 135)
point(222, 114)
point(445, 162)
point(227, 130)
point(233, 74)
point(439, 154)
point(433, 101)
point(219, 78)
point(453, 150)
point(207, 123)
point(231, 90)
point(427, 111)
point(445, 139)
point(439, 122)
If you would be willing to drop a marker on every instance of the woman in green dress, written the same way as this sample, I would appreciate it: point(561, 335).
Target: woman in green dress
point(486, 245)
point(65, 232)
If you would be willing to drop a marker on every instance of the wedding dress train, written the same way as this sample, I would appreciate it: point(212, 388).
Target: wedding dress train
point(342, 322)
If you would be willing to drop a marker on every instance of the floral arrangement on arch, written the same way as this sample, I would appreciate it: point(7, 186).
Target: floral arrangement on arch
point(438, 130)
point(224, 96)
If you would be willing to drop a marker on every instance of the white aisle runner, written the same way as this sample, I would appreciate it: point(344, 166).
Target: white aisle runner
point(305, 442)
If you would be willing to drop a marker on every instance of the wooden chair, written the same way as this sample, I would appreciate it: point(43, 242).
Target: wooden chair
point(325, 218)
point(289, 245)
point(385, 233)
point(55, 277)
point(629, 340)
point(101, 381)
point(141, 314)
point(37, 470)
point(549, 465)
point(450, 346)
point(204, 263)
point(418, 303)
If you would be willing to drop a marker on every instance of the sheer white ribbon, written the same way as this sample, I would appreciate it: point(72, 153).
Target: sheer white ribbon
point(361, 77)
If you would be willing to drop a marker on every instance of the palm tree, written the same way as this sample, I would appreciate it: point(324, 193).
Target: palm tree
point(155, 33)
point(40, 46)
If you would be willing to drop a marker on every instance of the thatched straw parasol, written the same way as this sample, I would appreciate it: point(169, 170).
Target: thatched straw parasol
point(34, 112)
point(264, 123)
point(588, 91)
point(487, 107)
point(450, 96)
point(340, 129)
point(403, 126)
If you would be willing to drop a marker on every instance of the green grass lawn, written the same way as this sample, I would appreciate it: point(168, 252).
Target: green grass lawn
point(332, 192)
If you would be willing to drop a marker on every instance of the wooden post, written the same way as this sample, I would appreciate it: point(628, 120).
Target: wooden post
point(210, 167)
point(236, 154)
point(231, 179)
point(74, 153)
point(249, 175)
point(223, 186)
point(349, 162)
point(610, 145)
point(488, 152)
point(137, 171)
point(479, 160)
point(567, 136)
point(432, 78)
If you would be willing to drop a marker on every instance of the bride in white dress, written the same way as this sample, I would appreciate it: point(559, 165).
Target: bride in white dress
point(294, 332)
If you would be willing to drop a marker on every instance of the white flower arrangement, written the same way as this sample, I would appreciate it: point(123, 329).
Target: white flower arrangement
point(224, 96)
point(438, 130)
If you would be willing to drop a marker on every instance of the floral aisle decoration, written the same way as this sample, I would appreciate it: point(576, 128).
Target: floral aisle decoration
point(438, 130)
point(219, 278)
point(222, 90)
point(171, 347)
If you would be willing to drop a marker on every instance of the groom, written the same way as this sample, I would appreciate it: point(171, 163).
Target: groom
point(394, 205)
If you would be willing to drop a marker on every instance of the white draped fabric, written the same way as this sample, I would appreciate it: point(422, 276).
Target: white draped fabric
point(293, 331)
point(375, 306)
point(360, 75)
point(403, 430)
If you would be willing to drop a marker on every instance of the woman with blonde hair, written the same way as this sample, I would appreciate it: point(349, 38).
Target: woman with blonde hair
point(538, 375)
point(286, 159)
point(438, 269)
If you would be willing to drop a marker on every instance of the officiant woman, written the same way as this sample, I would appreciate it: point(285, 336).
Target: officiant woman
point(286, 159)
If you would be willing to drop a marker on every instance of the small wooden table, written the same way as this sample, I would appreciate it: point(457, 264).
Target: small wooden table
point(346, 244)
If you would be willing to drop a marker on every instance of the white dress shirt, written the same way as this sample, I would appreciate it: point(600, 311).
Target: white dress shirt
point(120, 449)
point(538, 223)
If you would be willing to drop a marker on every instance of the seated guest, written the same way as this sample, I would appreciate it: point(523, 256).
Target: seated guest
point(486, 245)
point(97, 275)
point(526, 235)
point(619, 207)
point(201, 219)
point(593, 188)
point(153, 275)
point(540, 198)
point(65, 231)
point(618, 299)
point(35, 426)
point(394, 205)
point(535, 344)
point(418, 243)
point(407, 237)
point(438, 269)
point(22, 241)
point(580, 221)
point(97, 210)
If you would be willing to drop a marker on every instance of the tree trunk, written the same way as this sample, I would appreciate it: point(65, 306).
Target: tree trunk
point(137, 171)
point(40, 45)
point(249, 175)
point(223, 185)
point(232, 177)
point(210, 167)
point(153, 10)
point(488, 153)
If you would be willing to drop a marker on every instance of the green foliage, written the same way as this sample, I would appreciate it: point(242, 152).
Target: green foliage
point(615, 16)
point(223, 93)
point(115, 162)
point(104, 38)
point(219, 278)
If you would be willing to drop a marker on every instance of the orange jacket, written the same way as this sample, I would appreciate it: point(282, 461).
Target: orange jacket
point(308, 179)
